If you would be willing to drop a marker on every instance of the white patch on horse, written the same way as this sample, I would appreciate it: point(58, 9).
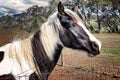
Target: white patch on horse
point(5, 67)
point(18, 59)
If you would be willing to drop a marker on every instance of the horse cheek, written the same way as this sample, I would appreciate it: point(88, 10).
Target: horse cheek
point(65, 40)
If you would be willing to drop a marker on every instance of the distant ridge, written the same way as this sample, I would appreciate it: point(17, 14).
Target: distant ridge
point(29, 20)
point(18, 6)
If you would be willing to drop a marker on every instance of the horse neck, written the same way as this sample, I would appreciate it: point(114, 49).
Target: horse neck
point(50, 39)
point(46, 48)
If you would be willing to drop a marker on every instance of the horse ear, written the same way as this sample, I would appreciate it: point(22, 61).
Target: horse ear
point(75, 7)
point(61, 8)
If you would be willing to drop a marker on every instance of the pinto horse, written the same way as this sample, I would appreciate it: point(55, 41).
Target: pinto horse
point(34, 58)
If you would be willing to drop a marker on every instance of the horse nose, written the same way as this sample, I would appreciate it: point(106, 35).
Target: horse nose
point(94, 45)
point(95, 48)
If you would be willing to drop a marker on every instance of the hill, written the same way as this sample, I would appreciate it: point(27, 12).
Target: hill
point(29, 20)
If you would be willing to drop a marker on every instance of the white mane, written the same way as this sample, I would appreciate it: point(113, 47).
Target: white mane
point(49, 35)
point(18, 57)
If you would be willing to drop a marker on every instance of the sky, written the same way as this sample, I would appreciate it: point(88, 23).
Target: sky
point(17, 6)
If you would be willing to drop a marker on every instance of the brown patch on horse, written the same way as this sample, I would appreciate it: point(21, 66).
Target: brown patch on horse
point(7, 77)
point(1, 55)
point(40, 57)
point(39, 52)
point(33, 77)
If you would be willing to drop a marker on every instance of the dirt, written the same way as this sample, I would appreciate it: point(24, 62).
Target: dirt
point(7, 36)
point(77, 65)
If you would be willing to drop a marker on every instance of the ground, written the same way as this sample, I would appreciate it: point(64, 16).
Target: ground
point(77, 65)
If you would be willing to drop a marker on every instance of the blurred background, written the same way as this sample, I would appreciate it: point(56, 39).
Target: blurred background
point(21, 18)
point(98, 15)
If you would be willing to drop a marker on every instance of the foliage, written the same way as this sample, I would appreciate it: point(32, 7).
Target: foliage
point(106, 13)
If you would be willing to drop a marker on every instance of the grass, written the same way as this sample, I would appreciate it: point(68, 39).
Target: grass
point(110, 46)
point(112, 51)
point(113, 55)
point(79, 67)
point(93, 69)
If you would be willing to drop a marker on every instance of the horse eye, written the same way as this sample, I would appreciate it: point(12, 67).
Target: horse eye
point(64, 21)
point(72, 24)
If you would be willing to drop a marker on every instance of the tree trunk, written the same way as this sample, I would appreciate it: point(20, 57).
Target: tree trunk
point(98, 19)
point(85, 17)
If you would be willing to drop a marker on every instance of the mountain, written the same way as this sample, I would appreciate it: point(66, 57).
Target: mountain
point(18, 6)
point(28, 20)
point(5, 11)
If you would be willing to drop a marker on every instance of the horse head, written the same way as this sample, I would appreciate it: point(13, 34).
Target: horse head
point(74, 34)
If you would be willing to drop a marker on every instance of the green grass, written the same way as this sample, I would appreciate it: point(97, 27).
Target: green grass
point(119, 26)
point(112, 51)
point(113, 55)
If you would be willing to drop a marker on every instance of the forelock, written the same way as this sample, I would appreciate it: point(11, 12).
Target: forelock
point(73, 14)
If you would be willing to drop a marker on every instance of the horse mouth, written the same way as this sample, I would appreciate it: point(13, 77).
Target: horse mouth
point(92, 54)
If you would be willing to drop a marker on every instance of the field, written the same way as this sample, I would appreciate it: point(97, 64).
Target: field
point(77, 65)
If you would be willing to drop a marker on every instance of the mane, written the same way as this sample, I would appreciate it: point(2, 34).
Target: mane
point(50, 34)
point(21, 51)
point(72, 14)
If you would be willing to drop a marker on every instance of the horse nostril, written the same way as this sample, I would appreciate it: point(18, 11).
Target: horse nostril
point(95, 48)
point(94, 45)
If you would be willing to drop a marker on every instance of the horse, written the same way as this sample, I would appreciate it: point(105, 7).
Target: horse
point(34, 58)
